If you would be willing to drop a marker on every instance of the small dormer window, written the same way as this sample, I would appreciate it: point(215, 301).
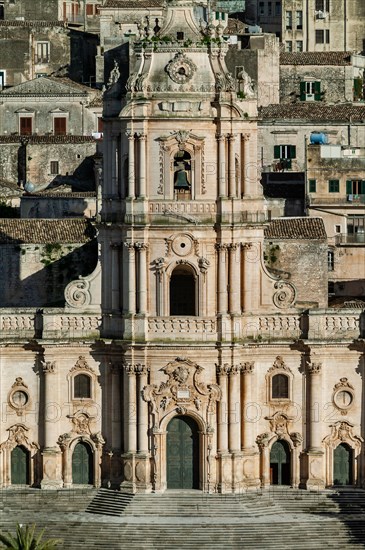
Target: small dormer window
point(180, 35)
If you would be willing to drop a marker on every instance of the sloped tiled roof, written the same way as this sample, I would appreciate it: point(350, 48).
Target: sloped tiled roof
point(47, 139)
point(46, 87)
point(40, 231)
point(133, 4)
point(234, 26)
point(315, 58)
point(18, 23)
point(296, 228)
point(314, 111)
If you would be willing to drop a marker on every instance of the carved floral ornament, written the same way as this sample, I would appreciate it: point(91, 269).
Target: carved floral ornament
point(279, 429)
point(82, 365)
point(279, 365)
point(182, 391)
point(343, 432)
point(285, 294)
point(81, 422)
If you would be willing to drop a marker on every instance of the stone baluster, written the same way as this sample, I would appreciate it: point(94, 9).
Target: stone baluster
point(221, 165)
point(232, 166)
point(131, 278)
point(142, 435)
point(234, 416)
point(131, 167)
point(222, 372)
point(234, 278)
point(315, 394)
point(247, 423)
point(222, 278)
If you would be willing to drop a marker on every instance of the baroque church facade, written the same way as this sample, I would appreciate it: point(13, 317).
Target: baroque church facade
point(204, 367)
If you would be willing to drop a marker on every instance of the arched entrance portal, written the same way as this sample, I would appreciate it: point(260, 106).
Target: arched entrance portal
point(182, 291)
point(182, 453)
point(82, 464)
point(20, 466)
point(342, 465)
point(280, 463)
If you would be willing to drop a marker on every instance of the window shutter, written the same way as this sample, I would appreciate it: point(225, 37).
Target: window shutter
point(348, 187)
point(362, 187)
point(276, 151)
point(312, 186)
point(317, 91)
point(292, 151)
point(302, 91)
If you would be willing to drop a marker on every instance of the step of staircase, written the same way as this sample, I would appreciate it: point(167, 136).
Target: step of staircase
point(109, 503)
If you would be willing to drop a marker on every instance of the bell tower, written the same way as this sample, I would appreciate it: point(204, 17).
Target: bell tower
point(181, 231)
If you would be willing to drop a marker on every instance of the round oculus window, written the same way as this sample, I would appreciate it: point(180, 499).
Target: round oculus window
point(19, 399)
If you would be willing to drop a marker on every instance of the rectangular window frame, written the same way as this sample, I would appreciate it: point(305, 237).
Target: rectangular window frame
point(333, 186)
point(42, 52)
point(312, 185)
point(30, 120)
point(54, 167)
point(56, 119)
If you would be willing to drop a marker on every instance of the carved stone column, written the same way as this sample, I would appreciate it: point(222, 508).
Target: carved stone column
point(222, 278)
point(232, 167)
point(315, 455)
point(142, 279)
point(221, 165)
point(234, 417)
point(128, 485)
point(224, 476)
point(262, 441)
point(248, 424)
point(248, 275)
point(131, 446)
point(51, 453)
point(131, 166)
point(142, 467)
point(142, 164)
point(234, 278)
point(115, 286)
point(131, 279)
point(246, 188)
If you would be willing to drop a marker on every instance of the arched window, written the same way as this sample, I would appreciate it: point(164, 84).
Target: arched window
point(82, 386)
point(280, 386)
point(182, 291)
point(182, 175)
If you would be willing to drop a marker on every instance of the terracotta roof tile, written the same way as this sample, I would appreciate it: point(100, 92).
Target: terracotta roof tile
point(314, 111)
point(17, 23)
point(47, 139)
point(315, 58)
point(134, 4)
point(296, 228)
point(39, 231)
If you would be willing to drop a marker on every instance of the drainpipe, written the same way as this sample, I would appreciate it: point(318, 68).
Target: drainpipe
point(345, 25)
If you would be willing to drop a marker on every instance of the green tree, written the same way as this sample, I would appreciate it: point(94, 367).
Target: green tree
point(25, 538)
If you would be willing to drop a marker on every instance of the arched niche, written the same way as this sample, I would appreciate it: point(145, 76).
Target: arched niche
point(183, 291)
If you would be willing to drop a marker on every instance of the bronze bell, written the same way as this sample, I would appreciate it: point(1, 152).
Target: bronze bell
point(181, 181)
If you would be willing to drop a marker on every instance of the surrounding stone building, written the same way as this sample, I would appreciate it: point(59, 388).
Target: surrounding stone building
point(201, 352)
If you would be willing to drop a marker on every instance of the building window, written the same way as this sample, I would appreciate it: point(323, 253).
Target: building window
point(261, 8)
point(2, 79)
point(54, 167)
point(100, 125)
point(299, 45)
point(333, 186)
point(182, 291)
point(82, 386)
point(59, 125)
point(356, 229)
point(42, 52)
point(269, 9)
point(322, 36)
point(285, 153)
point(25, 125)
point(312, 186)
point(289, 46)
point(92, 9)
point(331, 260)
point(280, 386)
point(182, 175)
point(337, 229)
point(299, 20)
point(289, 20)
point(355, 187)
point(322, 6)
point(310, 91)
point(278, 8)
point(179, 35)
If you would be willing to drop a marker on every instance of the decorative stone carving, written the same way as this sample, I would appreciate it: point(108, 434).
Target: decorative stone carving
point(203, 264)
point(81, 422)
point(247, 367)
point(262, 440)
point(182, 390)
point(279, 364)
point(114, 74)
point(82, 364)
point(18, 435)
point(343, 396)
point(77, 293)
point(279, 423)
point(18, 397)
point(343, 432)
point(49, 367)
point(223, 370)
point(314, 368)
point(285, 294)
point(296, 438)
point(180, 69)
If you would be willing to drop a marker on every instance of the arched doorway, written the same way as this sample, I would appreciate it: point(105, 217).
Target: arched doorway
point(182, 291)
point(342, 465)
point(82, 464)
point(280, 463)
point(20, 466)
point(182, 453)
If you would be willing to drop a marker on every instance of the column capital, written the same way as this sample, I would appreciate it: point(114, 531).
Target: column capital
point(140, 369)
point(234, 370)
point(231, 137)
point(246, 246)
point(129, 246)
point(314, 368)
point(141, 246)
point(245, 137)
point(221, 246)
point(129, 369)
point(234, 246)
point(141, 136)
point(220, 137)
point(247, 367)
point(223, 370)
point(49, 367)
point(130, 135)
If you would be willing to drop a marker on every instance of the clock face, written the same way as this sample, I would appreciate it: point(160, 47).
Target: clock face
point(19, 398)
point(180, 69)
point(343, 399)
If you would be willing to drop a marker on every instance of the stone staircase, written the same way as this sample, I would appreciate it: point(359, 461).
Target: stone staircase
point(290, 519)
